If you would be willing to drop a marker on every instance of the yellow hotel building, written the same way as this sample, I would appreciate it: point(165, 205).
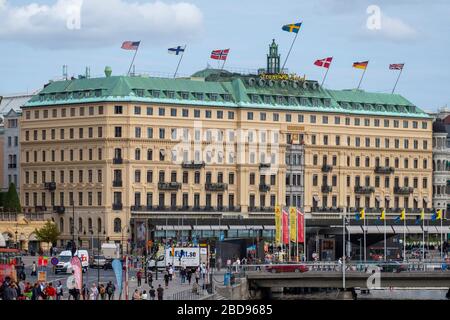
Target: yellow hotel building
point(193, 157)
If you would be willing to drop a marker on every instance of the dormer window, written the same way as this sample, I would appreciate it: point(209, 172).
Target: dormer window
point(213, 96)
point(227, 97)
point(139, 92)
point(155, 93)
point(170, 94)
point(184, 95)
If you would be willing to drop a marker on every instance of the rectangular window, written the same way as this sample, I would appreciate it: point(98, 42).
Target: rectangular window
point(301, 118)
point(312, 119)
point(325, 119)
point(118, 110)
point(230, 115)
point(249, 115)
point(337, 120)
point(208, 114)
point(288, 117)
point(118, 132)
point(137, 110)
point(173, 112)
point(161, 112)
point(219, 114)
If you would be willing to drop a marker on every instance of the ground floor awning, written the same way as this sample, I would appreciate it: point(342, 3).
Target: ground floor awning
point(164, 227)
point(354, 229)
point(431, 229)
point(373, 230)
point(221, 227)
point(445, 229)
point(415, 229)
point(202, 227)
point(400, 229)
point(255, 227)
point(269, 227)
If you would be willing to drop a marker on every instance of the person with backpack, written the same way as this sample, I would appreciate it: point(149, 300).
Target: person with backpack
point(152, 293)
point(102, 292)
point(110, 288)
point(139, 277)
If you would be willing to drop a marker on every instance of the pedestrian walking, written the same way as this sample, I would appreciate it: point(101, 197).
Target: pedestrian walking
point(170, 272)
point(166, 279)
point(33, 269)
point(59, 291)
point(160, 291)
point(50, 292)
point(136, 295)
point(102, 292)
point(139, 277)
point(183, 275)
point(197, 275)
point(152, 293)
point(189, 275)
point(84, 292)
point(144, 295)
point(94, 292)
point(110, 288)
point(150, 279)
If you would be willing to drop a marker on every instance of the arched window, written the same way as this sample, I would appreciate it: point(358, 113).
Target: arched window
point(99, 225)
point(137, 154)
point(61, 224)
point(117, 225)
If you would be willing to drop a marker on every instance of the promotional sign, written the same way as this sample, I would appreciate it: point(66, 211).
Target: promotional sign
point(42, 276)
point(277, 224)
point(42, 261)
point(293, 224)
point(117, 267)
point(7, 270)
point(300, 226)
point(54, 261)
point(77, 272)
point(285, 227)
point(184, 256)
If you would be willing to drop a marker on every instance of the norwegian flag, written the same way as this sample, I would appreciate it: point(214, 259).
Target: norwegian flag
point(220, 54)
point(324, 62)
point(396, 66)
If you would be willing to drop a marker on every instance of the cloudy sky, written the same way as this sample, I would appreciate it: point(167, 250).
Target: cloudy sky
point(37, 37)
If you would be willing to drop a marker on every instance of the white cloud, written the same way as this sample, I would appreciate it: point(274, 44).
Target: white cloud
point(388, 28)
point(101, 23)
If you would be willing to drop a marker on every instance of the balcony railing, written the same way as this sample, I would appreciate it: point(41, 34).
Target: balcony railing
point(264, 188)
point(169, 185)
point(403, 190)
point(384, 170)
point(12, 165)
point(192, 165)
point(186, 208)
point(51, 186)
point(59, 209)
point(327, 189)
point(216, 186)
point(365, 190)
point(264, 165)
point(117, 161)
point(261, 209)
point(117, 183)
point(117, 206)
point(40, 208)
point(326, 168)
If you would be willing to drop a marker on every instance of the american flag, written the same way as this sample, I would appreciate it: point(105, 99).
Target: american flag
point(324, 62)
point(396, 66)
point(220, 54)
point(131, 45)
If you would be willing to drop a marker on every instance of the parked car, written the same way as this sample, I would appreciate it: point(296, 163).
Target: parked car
point(287, 268)
point(98, 261)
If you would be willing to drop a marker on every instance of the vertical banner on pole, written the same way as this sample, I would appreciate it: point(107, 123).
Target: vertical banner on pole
point(285, 227)
point(277, 225)
point(293, 224)
point(300, 227)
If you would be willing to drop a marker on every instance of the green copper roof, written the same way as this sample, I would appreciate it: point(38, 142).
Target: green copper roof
point(213, 87)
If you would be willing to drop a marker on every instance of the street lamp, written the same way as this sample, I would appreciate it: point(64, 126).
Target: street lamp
point(98, 254)
point(128, 231)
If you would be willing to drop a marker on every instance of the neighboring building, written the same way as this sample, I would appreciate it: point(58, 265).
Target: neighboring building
point(199, 156)
point(11, 150)
point(2, 160)
point(441, 164)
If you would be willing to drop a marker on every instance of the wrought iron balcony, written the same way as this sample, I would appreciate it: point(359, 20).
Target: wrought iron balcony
point(264, 165)
point(384, 170)
point(403, 190)
point(192, 165)
point(40, 208)
point(117, 161)
point(169, 185)
point(261, 209)
point(59, 209)
point(117, 206)
point(117, 183)
point(264, 188)
point(216, 186)
point(327, 189)
point(186, 208)
point(365, 190)
point(50, 186)
point(326, 168)
point(12, 165)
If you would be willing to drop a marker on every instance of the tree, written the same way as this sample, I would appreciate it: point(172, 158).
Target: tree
point(11, 201)
point(48, 233)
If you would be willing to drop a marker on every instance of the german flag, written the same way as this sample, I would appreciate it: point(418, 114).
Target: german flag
point(360, 65)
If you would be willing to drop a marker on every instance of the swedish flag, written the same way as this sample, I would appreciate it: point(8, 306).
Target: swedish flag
point(437, 215)
point(360, 215)
point(293, 27)
point(383, 215)
point(403, 215)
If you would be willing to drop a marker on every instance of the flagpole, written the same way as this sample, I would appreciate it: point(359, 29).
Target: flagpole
point(223, 65)
point(365, 253)
point(404, 237)
point(132, 61)
point(399, 74)
point(326, 73)
point(423, 237)
point(384, 218)
point(362, 77)
point(179, 61)
point(289, 52)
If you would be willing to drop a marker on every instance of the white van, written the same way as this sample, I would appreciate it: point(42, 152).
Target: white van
point(64, 261)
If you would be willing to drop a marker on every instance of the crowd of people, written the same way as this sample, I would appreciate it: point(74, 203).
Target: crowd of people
point(24, 290)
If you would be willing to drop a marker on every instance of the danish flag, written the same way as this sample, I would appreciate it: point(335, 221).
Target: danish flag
point(324, 62)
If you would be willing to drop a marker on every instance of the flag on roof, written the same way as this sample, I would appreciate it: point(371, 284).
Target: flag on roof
point(131, 45)
point(360, 65)
point(324, 62)
point(176, 50)
point(220, 54)
point(292, 27)
point(396, 66)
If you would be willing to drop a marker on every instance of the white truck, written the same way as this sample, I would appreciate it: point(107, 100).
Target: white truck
point(111, 251)
point(183, 256)
point(64, 258)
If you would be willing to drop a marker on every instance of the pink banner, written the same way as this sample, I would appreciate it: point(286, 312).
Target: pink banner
point(77, 271)
point(285, 228)
point(300, 227)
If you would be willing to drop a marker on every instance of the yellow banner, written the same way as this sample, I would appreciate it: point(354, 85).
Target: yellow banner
point(277, 225)
point(293, 224)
